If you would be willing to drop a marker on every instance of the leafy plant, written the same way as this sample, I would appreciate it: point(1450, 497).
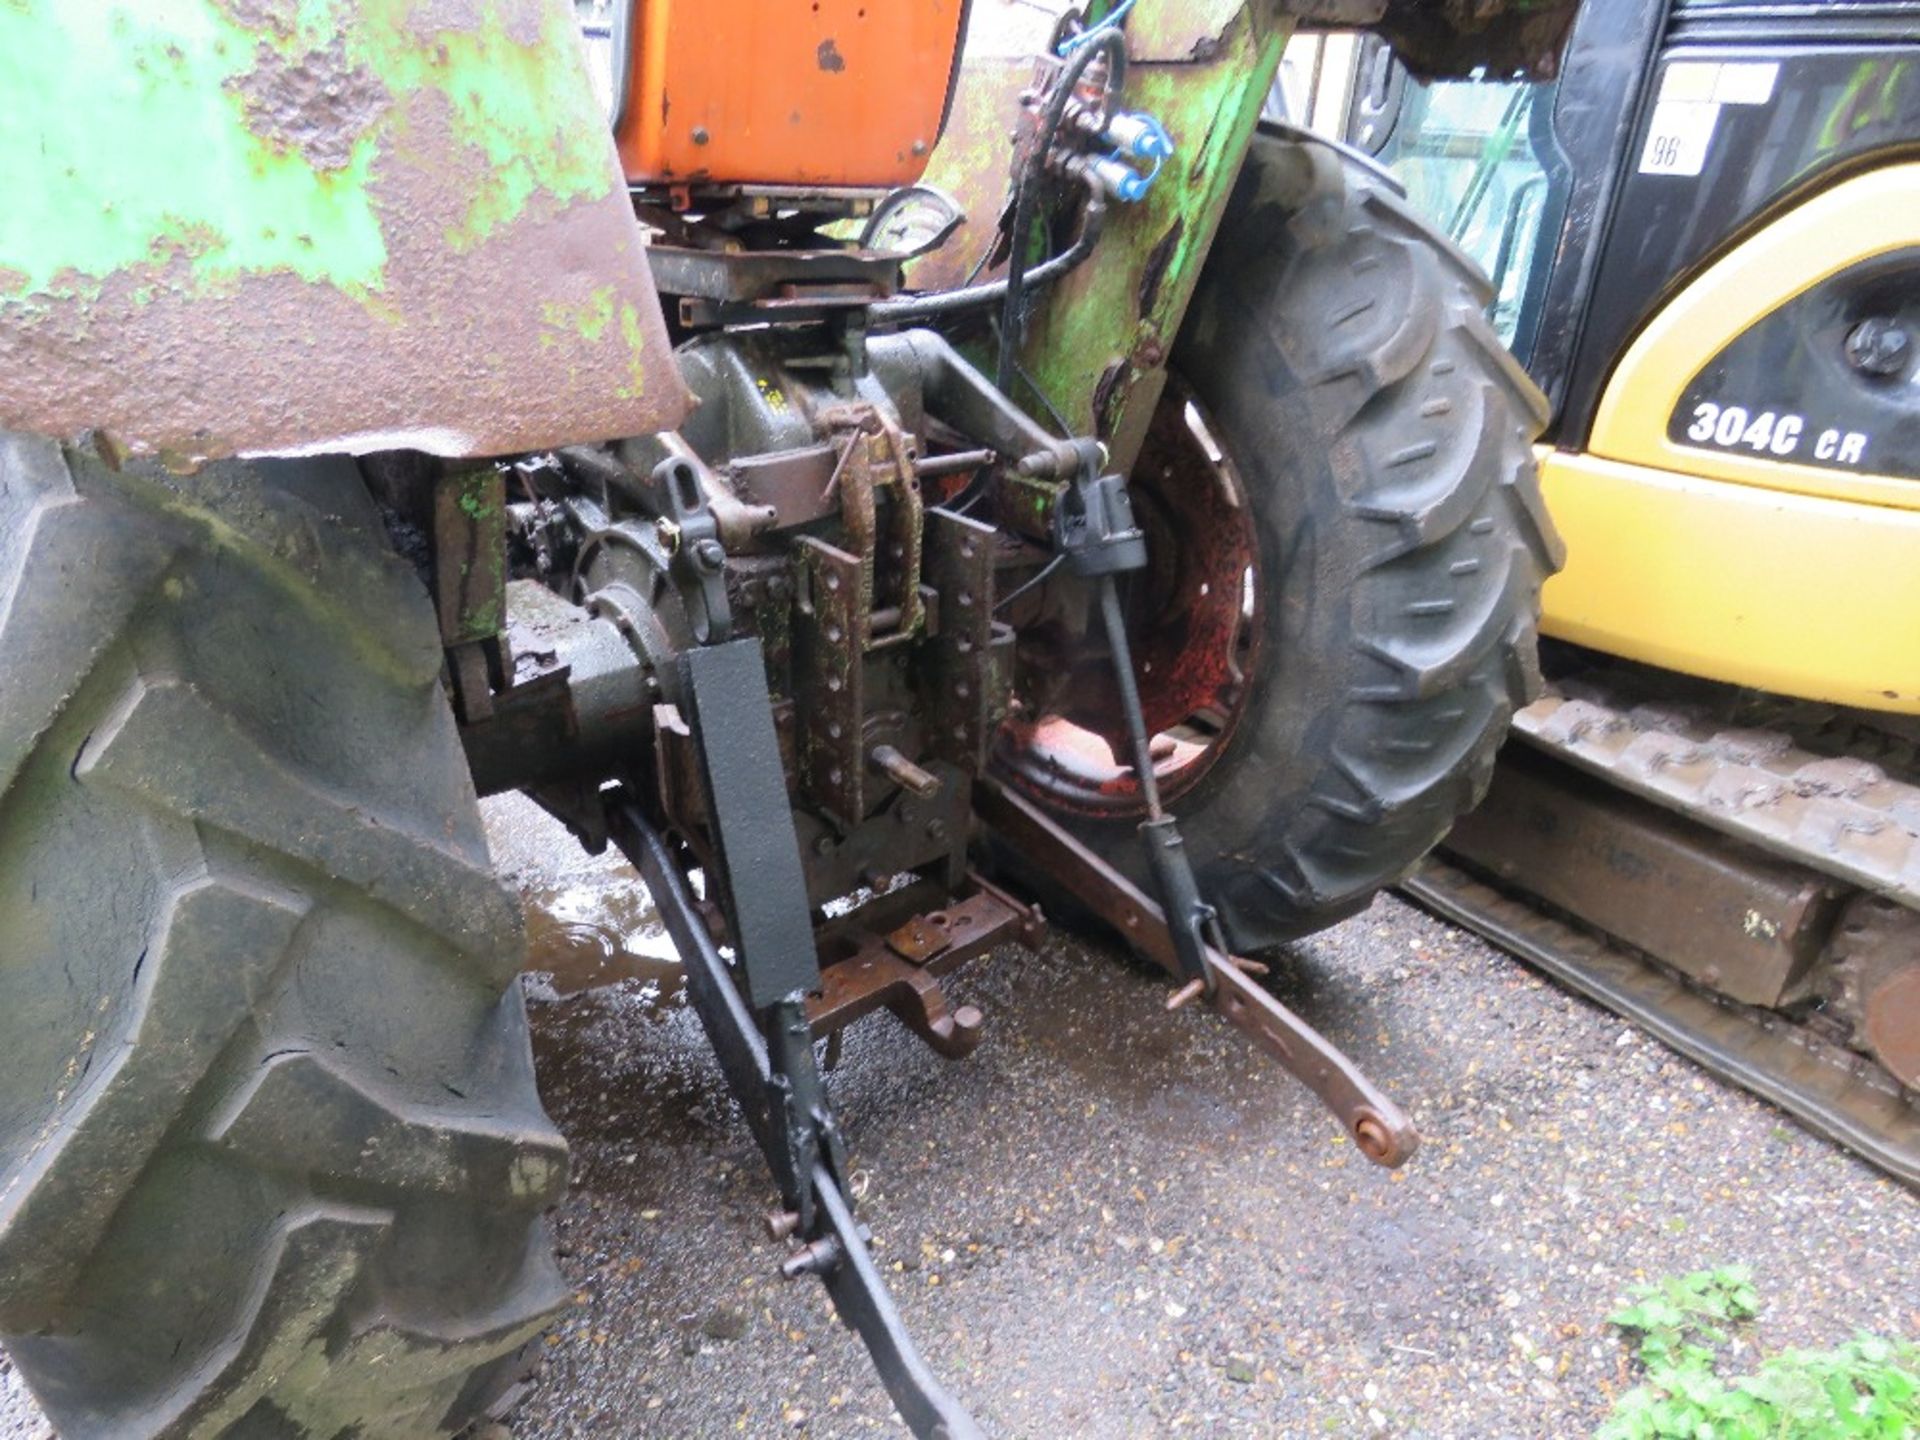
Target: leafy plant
point(1865, 1389)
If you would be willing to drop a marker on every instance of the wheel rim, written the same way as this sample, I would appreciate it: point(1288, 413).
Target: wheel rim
point(1193, 623)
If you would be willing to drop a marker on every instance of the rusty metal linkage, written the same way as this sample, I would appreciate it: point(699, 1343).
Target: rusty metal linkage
point(900, 969)
point(1376, 1124)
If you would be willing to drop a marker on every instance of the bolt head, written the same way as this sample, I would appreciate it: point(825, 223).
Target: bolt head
point(1878, 346)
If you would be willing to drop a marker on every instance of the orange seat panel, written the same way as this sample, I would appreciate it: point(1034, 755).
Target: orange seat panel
point(787, 92)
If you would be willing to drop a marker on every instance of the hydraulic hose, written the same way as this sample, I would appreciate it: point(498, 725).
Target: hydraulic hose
point(1110, 42)
point(942, 304)
point(1009, 291)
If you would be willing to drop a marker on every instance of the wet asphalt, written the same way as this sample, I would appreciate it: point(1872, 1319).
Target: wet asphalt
point(1112, 1221)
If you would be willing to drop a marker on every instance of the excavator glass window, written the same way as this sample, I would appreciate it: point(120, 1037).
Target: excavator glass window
point(1476, 156)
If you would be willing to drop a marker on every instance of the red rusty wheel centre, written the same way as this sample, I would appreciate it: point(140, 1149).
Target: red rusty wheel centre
point(1192, 618)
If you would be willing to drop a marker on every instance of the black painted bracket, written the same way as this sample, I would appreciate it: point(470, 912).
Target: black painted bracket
point(754, 1009)
point(764, 888)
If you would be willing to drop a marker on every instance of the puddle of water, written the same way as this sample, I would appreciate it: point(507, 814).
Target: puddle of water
point(579, 954)
point(590, 922)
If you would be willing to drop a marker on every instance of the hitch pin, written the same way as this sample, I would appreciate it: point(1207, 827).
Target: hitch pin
point(890, 762)
point(1197, 987)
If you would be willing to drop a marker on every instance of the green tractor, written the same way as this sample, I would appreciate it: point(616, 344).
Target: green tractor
point(974, 463)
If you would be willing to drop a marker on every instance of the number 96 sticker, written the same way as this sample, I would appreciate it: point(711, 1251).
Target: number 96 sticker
point(1782, 436)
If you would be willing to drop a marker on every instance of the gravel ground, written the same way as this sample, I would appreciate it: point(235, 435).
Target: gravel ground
point(1114, 1222)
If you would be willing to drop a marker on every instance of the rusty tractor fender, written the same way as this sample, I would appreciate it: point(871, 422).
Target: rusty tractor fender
point(245, 226)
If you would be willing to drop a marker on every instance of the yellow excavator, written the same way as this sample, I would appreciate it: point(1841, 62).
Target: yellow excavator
point(1704, 236)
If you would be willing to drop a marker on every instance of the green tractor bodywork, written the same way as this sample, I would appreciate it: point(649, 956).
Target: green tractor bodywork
point(1099, 348)
point(1097, 343)
point(283, 225)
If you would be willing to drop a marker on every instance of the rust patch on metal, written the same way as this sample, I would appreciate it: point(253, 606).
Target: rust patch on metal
point(1874, 984)
point(901, 970)
point(921, 938)
point(277, 17)
point(1189, 31)
point(319, 104)
point(1893, 1024)
point(1107, 391)
point(1195, 643)
point(539, 331)
point(432, 18)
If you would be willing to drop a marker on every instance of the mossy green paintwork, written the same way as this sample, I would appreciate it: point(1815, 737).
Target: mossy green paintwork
point(1098, 343)
point(419, 184)
point(129, 133)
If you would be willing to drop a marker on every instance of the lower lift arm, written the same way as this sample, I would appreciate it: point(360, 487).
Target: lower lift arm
point(1095, 534)
point(754, 1011)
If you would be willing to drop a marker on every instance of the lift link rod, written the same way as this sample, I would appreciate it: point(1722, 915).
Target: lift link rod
point(1094, 531)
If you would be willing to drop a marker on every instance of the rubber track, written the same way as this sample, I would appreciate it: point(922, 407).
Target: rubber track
point(1832, 1091)
point(1333, 318)
point(1841, 815)
point(272, 1162)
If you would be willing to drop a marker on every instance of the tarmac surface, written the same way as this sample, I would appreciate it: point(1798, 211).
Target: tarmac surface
point(1112, 1221)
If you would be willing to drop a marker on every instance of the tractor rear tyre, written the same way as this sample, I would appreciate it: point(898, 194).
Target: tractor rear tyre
point(272, 1163)
point(1346, 549)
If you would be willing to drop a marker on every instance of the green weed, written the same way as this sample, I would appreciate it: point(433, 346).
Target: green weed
point(1865, 1389)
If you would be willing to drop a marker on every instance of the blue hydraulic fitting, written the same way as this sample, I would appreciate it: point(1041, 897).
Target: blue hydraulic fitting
point(1122, 181)
point(1132, 133)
